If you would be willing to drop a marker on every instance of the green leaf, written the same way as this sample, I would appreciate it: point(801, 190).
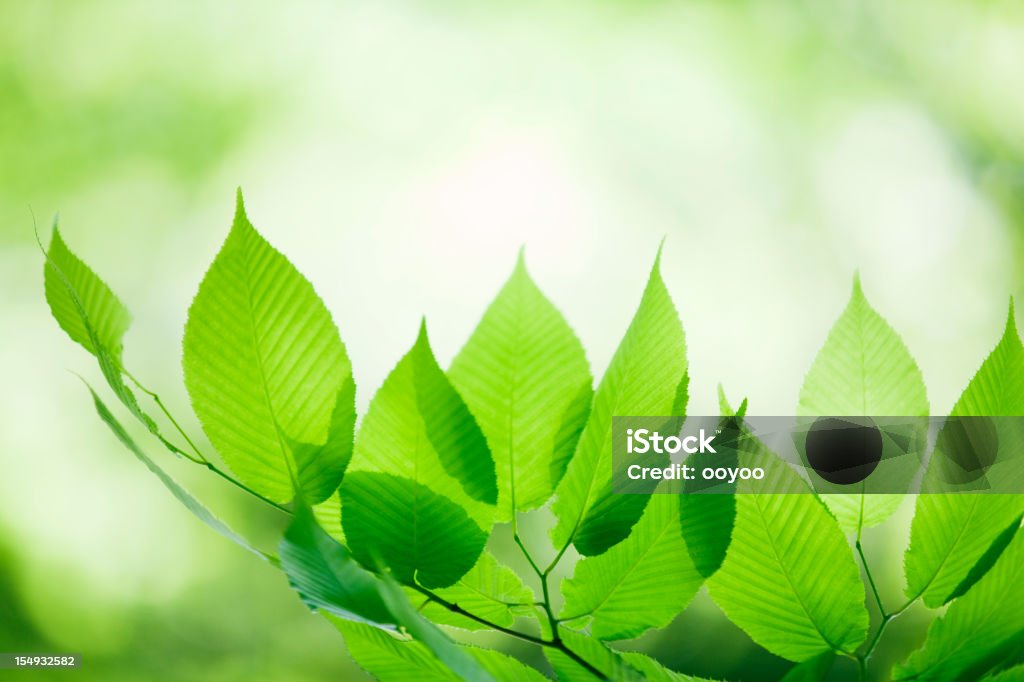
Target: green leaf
point(978, 630)
point(864, 369)
point(812, 670)
point(93, 316)
point(326, 576)
point(82, 303)
point(951, 533)
point(421, 487)
point(182, 495)
point(268, 375)
point(789, 579)
point(490, 590)
point(647, 376)
point(525, 378)
point(641, 583)
point(391, 659)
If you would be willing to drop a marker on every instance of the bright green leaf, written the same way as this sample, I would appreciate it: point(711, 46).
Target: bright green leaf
point(640, 583)
point(647, 377)
point(268, 375)
point(812, 670)
point(72, 288)
point(182, 495)
point(621, 666)
point(525, 377)
point(978, 630)
point(490, 590)
point(952, 532)
point(1015, 674)
point(421, 487)
point(864, 369)
point(789, 579)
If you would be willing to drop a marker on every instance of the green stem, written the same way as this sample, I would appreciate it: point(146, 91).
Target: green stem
point(871, 579)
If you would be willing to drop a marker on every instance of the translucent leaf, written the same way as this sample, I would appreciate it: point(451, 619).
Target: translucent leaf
point(789, 579)
point(952, 532)
point(812, 670)
point(182, 495)
point(268, 375)
point(72, 288)
point(391, 659)
point(864, 369)
point(646, 376)
point(979, 629)
point(421, 487)
point(525, 377)
point(624, 592)
point(94, 317)
point(490, 590)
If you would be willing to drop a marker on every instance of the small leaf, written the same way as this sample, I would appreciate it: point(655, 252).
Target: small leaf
point(489, 590)
point(326, 576)
point(950, 533)
point(864, 369)
point(266, 370)
point(622, 593)
point(978, 630)
point(391, 659)
point(182, 495)
point(421, 487)
point(525, 377)
point(789, 579)
point(82, 303)
point(647, 376)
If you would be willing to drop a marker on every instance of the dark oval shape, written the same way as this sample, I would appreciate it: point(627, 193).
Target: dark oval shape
point(843, 451)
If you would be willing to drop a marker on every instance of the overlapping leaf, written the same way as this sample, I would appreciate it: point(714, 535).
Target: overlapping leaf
point(268, 375)
point(864, 369)
point(621, 666)
point(789, 579)
point(951, 533)
point(978, 630)
point(421, 488)
point(622, 592)
point(647, 376)
point(525, 377)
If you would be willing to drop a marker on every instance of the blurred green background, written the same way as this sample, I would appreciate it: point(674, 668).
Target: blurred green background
point(399, 153)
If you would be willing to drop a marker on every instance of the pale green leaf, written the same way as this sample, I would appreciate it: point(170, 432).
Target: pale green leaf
point(268, 375)
point(182, 495)
point(393, 659)
point(864, 369)
point(789, 579)
point(978, 630)
point(82, 303)
point(421, 488)
point(952, 532)
point(326, 576)
point(490, 590)
point(646, 377)
point(640, 583)
point(525, 378)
